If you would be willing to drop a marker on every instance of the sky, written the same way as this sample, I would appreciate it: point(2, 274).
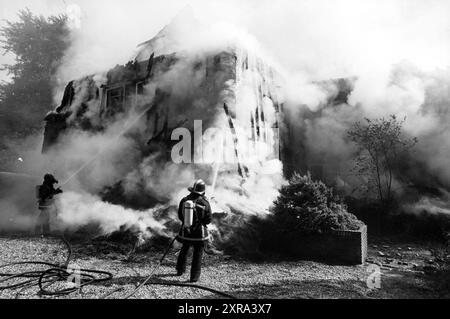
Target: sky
point(313, 39)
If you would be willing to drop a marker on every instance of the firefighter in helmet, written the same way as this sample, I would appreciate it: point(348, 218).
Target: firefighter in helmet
point(195, 214)
point(45, 193)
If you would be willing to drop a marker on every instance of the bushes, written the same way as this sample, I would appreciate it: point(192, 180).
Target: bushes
point(306, 206)
point(303, 222)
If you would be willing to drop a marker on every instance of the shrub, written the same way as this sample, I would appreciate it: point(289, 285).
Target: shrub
point(308, 206)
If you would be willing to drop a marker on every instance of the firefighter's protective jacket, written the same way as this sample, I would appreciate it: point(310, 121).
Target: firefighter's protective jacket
point(46, 193)
point(202, 217)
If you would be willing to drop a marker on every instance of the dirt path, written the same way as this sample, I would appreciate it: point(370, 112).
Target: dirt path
point(244, 279)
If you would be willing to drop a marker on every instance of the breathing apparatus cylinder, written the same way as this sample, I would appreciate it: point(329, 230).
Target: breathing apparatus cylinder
point(188, 213)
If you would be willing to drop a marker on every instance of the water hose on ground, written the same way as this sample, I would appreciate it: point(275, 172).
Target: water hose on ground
point(60, 273)
point(53, 274)
point(186, 285)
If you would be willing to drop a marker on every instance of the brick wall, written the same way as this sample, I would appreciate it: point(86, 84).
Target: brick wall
point(342, 247)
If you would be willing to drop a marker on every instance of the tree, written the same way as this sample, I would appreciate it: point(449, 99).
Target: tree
point(381, 143)
point(38, 44)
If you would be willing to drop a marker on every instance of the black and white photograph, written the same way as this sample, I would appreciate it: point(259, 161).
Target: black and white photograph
point(219, 156)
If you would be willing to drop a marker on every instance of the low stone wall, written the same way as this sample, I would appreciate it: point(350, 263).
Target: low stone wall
point(342, 247)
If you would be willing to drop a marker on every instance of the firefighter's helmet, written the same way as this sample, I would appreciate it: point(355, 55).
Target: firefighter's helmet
point(198, 188)
point(49, 178)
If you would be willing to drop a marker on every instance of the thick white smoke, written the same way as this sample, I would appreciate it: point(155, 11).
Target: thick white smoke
point(397, 51)
point(93, 161)
point(77, 210)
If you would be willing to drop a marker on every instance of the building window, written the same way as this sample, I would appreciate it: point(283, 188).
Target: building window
point(140, 88)
point(114, 99)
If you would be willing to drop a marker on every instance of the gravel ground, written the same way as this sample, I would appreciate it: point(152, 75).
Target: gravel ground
point(241, 278)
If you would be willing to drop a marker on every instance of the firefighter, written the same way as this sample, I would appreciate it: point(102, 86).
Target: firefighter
point(46, 191)
point(195, 214)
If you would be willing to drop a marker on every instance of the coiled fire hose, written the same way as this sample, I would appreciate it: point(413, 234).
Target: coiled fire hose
point(60, 273)
point(55, 273)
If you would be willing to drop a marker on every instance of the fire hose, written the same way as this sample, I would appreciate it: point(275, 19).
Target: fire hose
point(43, 279)
point(178, 284)
point(55, 273)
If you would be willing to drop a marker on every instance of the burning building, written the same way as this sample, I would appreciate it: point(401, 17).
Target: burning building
point(198, 111)
point(185, 85)
point(186, 106)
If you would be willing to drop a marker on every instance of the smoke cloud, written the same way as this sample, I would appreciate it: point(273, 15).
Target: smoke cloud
point(396, 52)
point(310, 41)
point(77, 210)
